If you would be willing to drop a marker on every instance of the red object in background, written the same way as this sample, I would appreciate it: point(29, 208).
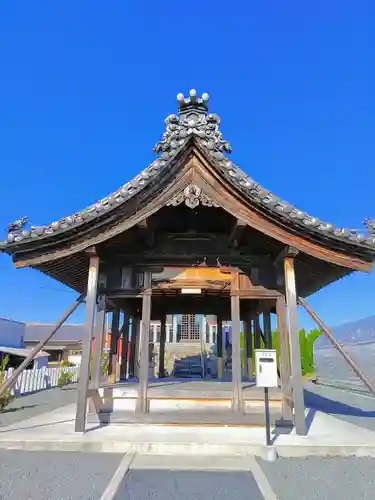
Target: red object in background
point(107, 343)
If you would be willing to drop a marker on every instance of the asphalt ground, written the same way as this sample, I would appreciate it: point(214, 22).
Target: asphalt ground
point(31, 405)
point(89, 476)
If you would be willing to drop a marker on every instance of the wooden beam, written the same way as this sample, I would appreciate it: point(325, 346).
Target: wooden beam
point(236, 233)
point(288, 251)
point(115, 335)
point(84, 373)
point(256, 293)
point(267, 329)
point(219, 344)
point(135, 331)
point(282, 333)
point(142, 405)
point(163, 334)
point(295, 352)
point(367, 382)
point(236, 350)
point(148, 234)
point(98, 346)
point(236, 355)
point(257, 330)
point(125, 345)
point(248, 345)
point(160, 258)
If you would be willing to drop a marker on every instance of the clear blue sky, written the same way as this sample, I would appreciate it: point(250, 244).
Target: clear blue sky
point(85, 87)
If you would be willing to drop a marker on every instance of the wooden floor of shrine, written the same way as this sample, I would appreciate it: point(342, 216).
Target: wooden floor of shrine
point(185, 402)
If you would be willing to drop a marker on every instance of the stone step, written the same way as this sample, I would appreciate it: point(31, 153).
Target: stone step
point(168, 404)
point(183, 418)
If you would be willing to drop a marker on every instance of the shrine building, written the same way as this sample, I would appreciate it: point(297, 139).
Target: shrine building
point(191, 259)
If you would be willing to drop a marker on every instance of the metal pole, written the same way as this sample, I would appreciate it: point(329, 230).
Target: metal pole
point(268, 423)
point(17, 372)
point(341, 350)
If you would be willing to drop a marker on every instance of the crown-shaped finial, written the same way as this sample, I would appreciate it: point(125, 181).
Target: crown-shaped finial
point(186, 104)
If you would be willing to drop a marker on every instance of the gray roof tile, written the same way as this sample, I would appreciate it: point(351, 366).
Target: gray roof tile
point(193, 120)
point(67, 333)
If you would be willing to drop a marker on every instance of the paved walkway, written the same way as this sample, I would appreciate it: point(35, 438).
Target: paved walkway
point(66, 475)
point(355, 408)
point(36, 404)
point(55, 431)
point(87, 476)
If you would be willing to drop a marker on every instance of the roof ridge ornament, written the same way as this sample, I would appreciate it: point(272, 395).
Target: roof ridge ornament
point(370, 226)
point(186, 104)
point(192, 196)
point(193, 120)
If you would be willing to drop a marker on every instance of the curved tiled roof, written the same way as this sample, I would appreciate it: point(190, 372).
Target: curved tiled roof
point(193, 120)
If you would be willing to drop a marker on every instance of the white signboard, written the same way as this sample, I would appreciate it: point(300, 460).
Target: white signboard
point(191, 291)
point(266, 368)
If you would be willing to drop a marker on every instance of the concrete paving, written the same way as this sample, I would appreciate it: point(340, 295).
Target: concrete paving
point(321, 479)
point(35, 404)
point(358, 409)
point(55, 476)
point(55, 431)
point(90, 476)
point(166, 485)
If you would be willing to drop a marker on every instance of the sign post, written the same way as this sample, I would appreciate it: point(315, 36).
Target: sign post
point(266, 377)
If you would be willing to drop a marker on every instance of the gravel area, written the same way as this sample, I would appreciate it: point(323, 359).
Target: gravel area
point(35, 404)
point(167, 485)
point(321, 478)
point(54, 475)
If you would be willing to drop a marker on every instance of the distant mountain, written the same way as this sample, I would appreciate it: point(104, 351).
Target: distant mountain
point(355, 332)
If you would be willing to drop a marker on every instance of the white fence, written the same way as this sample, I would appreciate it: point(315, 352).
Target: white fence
point(39, 379)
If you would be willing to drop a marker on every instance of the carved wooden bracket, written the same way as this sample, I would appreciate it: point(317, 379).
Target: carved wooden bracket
point(192, 196)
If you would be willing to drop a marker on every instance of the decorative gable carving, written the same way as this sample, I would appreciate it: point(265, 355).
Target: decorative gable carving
point(192, 196)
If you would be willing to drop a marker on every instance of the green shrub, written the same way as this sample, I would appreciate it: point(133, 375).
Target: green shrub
point(6, 398)
point(104, 364)
point(65, 377)
point(66, 364)
point(307, 342)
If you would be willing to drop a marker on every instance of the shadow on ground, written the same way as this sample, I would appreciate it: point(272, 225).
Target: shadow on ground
point(348, 406)
point(326, 405)
point(20, 408)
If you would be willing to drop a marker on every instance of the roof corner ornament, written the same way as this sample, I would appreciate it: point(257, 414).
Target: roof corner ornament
point(192, 196)
point(193, 120)
point(370, 226)
point(16, 228)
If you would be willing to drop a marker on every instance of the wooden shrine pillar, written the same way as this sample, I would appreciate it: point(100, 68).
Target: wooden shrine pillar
point(163, 338)
point(267, 330)
point(236, 346)
point(144, 344)
point(96, 365)
point(248, 337)
point(282, 333)
point(295, 352)
point(84, 373)
point(133, 361)
point(257, 335)
point(125, 345)
point(219, 343)
point(115, 334)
